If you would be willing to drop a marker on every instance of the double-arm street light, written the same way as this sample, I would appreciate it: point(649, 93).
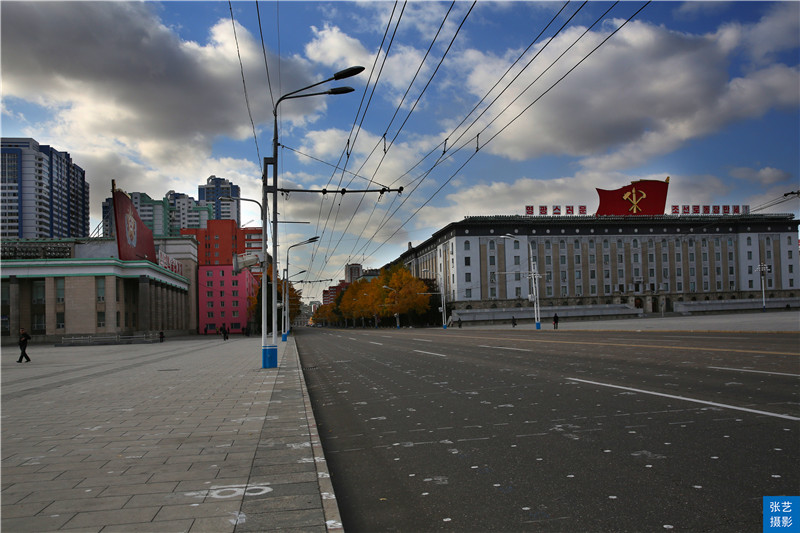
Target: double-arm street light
point(441, 292)
point(533, 294)
point(269, 353)
point(286, 307)
point(264, 277)
point(396, 315)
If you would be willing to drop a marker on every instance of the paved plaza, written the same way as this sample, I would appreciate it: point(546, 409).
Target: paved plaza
point(188, 435)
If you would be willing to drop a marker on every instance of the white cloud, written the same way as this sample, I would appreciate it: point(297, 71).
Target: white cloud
point(764, 176)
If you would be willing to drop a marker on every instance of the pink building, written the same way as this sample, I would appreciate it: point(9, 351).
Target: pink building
point(222, 298)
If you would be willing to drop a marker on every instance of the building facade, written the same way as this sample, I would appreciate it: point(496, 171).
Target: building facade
point(58, 288)
point(44, 194)
point(216, 188)
point(224, 298)
point(651, 263)
point(165, 217)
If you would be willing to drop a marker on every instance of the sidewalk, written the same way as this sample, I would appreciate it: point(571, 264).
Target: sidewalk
point(770, 321)
point(185, 436)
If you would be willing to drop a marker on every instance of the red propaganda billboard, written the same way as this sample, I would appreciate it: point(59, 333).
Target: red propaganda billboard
point(643, 197)
point(134, 239)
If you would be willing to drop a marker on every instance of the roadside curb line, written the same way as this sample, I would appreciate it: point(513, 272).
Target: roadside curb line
point(330, 508)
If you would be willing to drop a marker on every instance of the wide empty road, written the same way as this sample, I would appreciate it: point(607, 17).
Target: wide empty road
point(509, 430)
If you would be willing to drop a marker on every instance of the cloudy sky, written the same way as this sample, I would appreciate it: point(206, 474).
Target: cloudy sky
point(475, 109)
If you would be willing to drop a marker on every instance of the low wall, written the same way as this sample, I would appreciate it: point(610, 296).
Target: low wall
point(722, 306)
point(525, 314)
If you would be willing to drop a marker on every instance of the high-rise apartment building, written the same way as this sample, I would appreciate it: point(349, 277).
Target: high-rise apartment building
point(165, 217)
point(44, 194)
point(213, 190)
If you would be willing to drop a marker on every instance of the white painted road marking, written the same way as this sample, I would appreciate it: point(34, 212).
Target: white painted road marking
point(430, 353)
point(378, 343)
point(684, 398)
point(506, 348)
point(755, 371)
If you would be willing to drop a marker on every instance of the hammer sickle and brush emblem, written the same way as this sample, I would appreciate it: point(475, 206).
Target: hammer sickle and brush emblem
point(634, 200)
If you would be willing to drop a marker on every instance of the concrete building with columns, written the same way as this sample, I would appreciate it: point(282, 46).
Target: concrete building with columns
point(60, 288)
point(611, 265)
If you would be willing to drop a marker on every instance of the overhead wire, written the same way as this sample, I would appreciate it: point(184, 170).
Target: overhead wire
point(513, 120)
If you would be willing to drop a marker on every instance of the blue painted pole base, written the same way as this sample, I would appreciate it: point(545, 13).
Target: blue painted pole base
point(269, 356)
point(444, 326)
point(284, 336)
point(538, 325)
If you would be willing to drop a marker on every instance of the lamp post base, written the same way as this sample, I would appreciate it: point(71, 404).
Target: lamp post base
point(538, 325)
point(284, 336)
point(269, 356)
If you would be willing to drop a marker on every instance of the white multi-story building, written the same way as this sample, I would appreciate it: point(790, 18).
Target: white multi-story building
point(43, 194)
point(165, 217)
point(651, 263)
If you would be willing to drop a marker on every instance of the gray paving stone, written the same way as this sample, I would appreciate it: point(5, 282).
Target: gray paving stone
point(101, 439)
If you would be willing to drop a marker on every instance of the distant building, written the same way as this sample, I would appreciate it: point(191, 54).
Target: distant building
point(588, 265)
point(213, 190)
point(329, 295)
point(223, 297)
point(165, 217)
point(44, 194)
point(352, 272)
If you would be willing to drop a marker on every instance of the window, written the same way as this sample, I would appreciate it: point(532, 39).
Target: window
point(635, 258)
point(468, 277)
point(209, 304)
point(516, 260)
point(563, 260)
point(562, 245)
point(101, 319)
point(491, 260)
point(576, 245)
point(605, 247)
point(209, 294)
point(750, 255)
point(548, 260)
point(210, 314)
point(466, 246)
point(235, 293)
point(100, 289)
point(750, 242)
point(60, 320)
point(577, 259)
point(491, 245)
point(492, 292)
point(235, 303)
point(468, 293)
point(577, 274)
point(234, 283)
point(518, 292)
point(209, 274)
point(222, 294)
point(516, 245)
point(209, 283)
point(546, 245)
point(635, 243)
point(466, 261)
point(235, 314)
point(60, 290)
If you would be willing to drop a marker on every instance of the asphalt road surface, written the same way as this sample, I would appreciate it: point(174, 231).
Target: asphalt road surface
point(509, 430)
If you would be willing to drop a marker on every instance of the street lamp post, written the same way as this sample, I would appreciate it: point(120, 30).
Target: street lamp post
point(286, 287)
point(396, 315)
point(264, 278)
point(269, 353)
point(444, 304)
point(763, 268)
point(533, 290)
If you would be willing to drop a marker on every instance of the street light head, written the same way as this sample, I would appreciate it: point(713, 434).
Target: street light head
point(340, 90)
point(348, 72)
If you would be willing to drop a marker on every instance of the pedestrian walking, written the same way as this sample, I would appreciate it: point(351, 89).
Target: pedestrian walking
point(459, 323)
point(23, 345)
point(555, 321)
point(160, 336)
point(513, 322)
point(224, 331)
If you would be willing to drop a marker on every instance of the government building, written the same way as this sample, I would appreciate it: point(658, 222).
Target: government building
point(611, 265)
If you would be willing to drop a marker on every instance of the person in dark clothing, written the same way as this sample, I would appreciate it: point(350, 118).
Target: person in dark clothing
point(513, 322)
point(224, 331)
point(555, 321)
point(23, 344)
point(459, 323)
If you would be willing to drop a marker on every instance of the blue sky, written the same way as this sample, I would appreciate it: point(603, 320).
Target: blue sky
point(151, 94)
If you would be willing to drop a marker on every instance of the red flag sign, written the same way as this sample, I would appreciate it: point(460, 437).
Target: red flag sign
point(643, 197)
point(134, 239)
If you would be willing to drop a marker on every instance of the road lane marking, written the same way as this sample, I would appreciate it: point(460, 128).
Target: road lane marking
point(430, 353)
point(684, 398)
point(506, 348)
point(755, 371)
point(422, 340)
point(378, 343)
point(667, 346)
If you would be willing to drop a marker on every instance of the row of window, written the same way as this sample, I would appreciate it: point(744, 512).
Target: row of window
point(234, 314)
point(234, 303)
point(634, 243)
